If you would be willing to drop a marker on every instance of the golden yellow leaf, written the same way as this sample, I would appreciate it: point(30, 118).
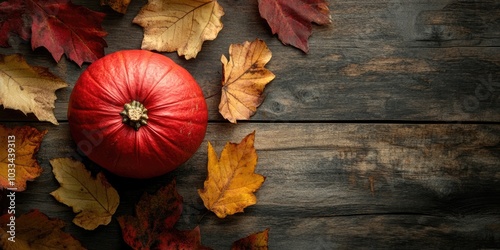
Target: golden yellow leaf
point(28, 88)
point(94, 199)
point(119, 6)
point(244, 79)
point(232, 180)
point(179, 25)
point(18, 164)
point(34, 230)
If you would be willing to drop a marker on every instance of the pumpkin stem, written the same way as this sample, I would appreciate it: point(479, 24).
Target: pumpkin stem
point(134, 114)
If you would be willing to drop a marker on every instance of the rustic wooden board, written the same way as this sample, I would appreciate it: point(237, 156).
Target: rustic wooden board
point(378, 60)
point(385, 135)
point(328, 186)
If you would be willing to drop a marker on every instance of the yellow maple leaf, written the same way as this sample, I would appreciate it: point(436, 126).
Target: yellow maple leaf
point(18, 164)
point(232, 180)
point(94, 199)
point(244, 79)
point(179, 25)
point(28, 88)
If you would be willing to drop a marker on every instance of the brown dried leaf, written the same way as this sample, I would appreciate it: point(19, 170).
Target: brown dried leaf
point(179, 25)
point(94, 199)
point(119, 6)
point(244, 79)
point(28, 88)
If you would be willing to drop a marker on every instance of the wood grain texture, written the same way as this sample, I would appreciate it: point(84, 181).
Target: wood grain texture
point(378, 60)
point(386, 135)
point(327, 185)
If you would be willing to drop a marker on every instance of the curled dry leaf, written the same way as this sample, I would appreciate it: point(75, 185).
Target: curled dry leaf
point(179, 25)
point(94, 199)
point(244, 79)
point(256, 241)
point(28, 88)
point(231, 181)
point(291, 20)
point(119, 6)
point(18, 148)
point(154, 221)
point(34, 230)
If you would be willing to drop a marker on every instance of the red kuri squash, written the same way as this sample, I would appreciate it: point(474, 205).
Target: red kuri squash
point(137, 114)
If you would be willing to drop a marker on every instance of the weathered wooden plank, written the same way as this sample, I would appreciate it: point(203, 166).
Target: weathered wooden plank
point(378, 60)
point(327, 186)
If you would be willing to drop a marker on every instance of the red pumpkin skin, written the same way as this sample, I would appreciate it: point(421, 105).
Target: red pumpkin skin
point(176, 108)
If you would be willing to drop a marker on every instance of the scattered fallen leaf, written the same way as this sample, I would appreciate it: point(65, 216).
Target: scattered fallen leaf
point(256, 241)
point(244, 79)
point(153, 225)
point(12, 21)
point(179, 25)
point(231, 180)
point(94, 199)
point(34, 230)
point(58, 25)
point(28, 88)
point(291, 20)
point(18, 163)
point(119, 6)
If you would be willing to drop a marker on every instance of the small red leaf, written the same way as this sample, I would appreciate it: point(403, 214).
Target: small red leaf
point(66, 28)
point(291, 20)
point(12, 20)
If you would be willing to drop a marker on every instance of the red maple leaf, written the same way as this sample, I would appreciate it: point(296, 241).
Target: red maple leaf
point(291, 20)
point(58, 25)
point(13, 20)
point(153, 225)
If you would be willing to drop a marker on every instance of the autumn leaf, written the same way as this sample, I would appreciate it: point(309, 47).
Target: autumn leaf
point(179, 25)
point(256, 241)
point(58, 25)
point(12, 20)
point(291, 20)
point(244, 79)
point(119, 6)
point(29, 89)
point(154, 221)
point(94, 199)
point(35, 230)
point(231, 180)
point(18, 148)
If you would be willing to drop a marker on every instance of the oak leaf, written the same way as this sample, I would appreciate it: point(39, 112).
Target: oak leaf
point(29, 89)
point(18, 148)
point(244, 79)
point(179, 25)
point(154, 221)
point(119, 6)
point(231, 181)
point(94, 199)
point(256, 241)
point(291, 20)
point(34, 230)
point(58, 25)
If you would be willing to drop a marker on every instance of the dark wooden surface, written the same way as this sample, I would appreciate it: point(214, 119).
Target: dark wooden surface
point(386, 135)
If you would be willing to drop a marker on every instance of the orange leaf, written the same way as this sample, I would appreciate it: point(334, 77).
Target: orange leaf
point(256, 241)
point(35, 230)
point(231, 180)
point(18, 148)
point(119, 6)
point(179, 25)
point(244, 79)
